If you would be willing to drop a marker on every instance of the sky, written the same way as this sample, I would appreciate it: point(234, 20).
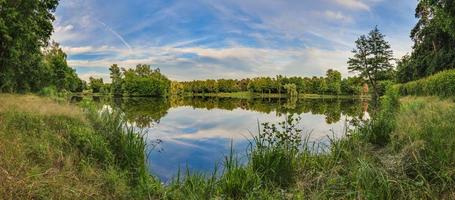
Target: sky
point(202, 39)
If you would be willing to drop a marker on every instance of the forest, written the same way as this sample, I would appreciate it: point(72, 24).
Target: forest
point(332, 84)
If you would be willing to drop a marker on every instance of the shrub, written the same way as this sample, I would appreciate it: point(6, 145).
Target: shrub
point(50, 91)
point(441, 84)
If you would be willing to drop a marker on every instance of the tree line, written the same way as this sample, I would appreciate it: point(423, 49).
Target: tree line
point(331, 84)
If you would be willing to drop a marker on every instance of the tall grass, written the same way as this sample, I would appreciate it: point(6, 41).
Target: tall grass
point(127, 145)
point(50, 150)
point(406, 151)
point(379, 128)
point(275, 151)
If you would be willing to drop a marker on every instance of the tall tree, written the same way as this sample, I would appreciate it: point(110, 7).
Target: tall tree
point(116, 78)
point(333, 81)
point(434, 39)
point(25, 28)
point(372, 57)
point(58, 71)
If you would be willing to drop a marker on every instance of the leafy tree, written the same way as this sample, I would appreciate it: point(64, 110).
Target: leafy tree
point(351, 85)
point(333, 81)
point(116, 78)
point(177, 88)
point(291, 90)
point(372, 57)
point(434, 39)
point(96, 84)
point(25, 28)
point(144, 81)
point(58, 72)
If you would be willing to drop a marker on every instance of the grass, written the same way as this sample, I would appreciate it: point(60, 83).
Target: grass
point(50, 150)
point(53, 150)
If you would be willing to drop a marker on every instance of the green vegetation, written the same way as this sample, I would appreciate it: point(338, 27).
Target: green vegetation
point(372, 57)
point(280, 86)
point(434, 39)
point(55, 150)
point(28, 62)
point(52, 150)
point(441, 84)
point(141, 81)
point(405, 154)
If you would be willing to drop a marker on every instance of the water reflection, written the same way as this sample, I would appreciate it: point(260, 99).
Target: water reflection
point(197, 132)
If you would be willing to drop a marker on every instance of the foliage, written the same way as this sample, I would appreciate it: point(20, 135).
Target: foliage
point(291, 90)
point(96, 84)
point(143, 81)
point(333, 81)
point(47, 146)
point(177, 88)
point(276, 150)
point(116, 79)
point(371, 59)
point(330, 85)
point(434, 38)
point(28, 62)
point(351, 85)
point(441, 84)
point(25, 28)
point(379, 128)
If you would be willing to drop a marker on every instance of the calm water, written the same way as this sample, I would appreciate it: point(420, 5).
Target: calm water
point(197, 132)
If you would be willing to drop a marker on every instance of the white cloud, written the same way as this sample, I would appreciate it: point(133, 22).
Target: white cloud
point(230, 62)
point(353, 4)
point(87, 75)
point(337, 16)
point(290, 37)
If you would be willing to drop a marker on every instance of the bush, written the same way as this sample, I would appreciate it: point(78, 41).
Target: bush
point(50, 91)
point(441, 84)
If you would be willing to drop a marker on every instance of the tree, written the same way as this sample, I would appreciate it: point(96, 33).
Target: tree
point(58, 73)
point(25, 28)
point(116, 78)
point(291, 90)
point(144, 81)
point(434, 39)
point(96, 84)
point(372, 57)
point(333, 81)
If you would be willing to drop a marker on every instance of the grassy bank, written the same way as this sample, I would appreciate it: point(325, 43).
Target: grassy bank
point(53, 150)
point(61, 151)
point(249, 95)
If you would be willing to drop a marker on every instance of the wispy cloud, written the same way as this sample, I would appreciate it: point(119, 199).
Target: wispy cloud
point(115, 33)
point(337, 15)
point(353, 4)
point(233, 39)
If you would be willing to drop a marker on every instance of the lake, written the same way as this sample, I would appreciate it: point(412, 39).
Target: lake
point(197, 133)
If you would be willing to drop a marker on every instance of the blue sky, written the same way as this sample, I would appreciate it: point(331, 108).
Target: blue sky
point(200, 39)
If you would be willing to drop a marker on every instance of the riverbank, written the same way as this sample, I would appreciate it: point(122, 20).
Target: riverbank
point(57, 150)
point(249, 95)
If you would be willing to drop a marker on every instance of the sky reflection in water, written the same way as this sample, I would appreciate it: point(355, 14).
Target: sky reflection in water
point(197, 132)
